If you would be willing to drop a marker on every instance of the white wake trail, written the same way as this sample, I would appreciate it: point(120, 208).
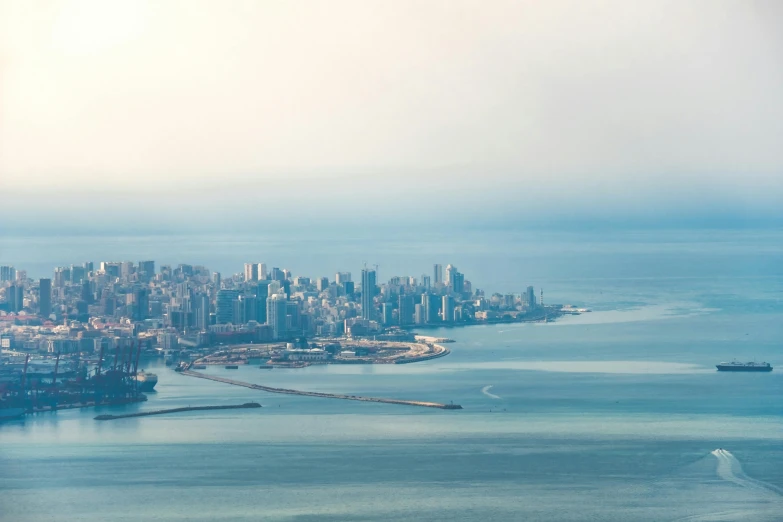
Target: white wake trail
point(485, 391)
point(730, 469)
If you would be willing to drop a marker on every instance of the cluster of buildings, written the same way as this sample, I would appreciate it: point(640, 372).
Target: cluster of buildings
point(109, 305)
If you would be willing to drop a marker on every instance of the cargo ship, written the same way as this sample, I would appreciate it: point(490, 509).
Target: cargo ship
point(146, 381)
point(736, 366)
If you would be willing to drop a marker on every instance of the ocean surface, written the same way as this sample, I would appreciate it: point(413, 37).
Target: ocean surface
point(614, 415)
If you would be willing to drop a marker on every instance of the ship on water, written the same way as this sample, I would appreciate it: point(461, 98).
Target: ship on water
point(146, 381)
point(736, 366)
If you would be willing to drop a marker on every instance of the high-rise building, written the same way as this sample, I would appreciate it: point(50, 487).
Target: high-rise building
point(88, 266)
point(126, 269)
point(322, 283)
point(418, 314)
point(406, 309)
point(368, 294)
point(7, 273)
point(216, 279)
point(293, 319)
point(450, 269)
point(111, 269)
point(62, 275)
point(201, 311)
point(251, 271)
point(457, 282)
point(141, 303)
point(431, 305)
point(447, 309)
point(274, 287)
point(224, 306)
point(44, 297)
point(348, 286)
point(146, 270)
point(387, 314)
point(276, 308)
point(426, 281)
point(438, 273)
point(87, 294)
point(245, 309)
point(78, 274)
point(262, 292)
point(262, 271)
point(342, 277)
point(530, 297)
point(15, 297)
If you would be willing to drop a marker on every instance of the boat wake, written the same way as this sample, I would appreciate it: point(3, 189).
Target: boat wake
point(485, 391)
point(730, 469)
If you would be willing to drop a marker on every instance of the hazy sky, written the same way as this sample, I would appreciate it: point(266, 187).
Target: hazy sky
point(600, 108)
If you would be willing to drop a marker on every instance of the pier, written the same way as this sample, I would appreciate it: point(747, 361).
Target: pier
point(321, 395)
point(178, 410)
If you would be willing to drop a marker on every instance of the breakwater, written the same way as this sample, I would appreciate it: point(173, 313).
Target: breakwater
point(321, 395)
point(178, 410)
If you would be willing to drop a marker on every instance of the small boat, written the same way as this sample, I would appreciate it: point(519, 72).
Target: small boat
point(266, 367)
point(232, 367)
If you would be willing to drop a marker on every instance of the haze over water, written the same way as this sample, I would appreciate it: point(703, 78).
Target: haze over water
point(614, 415)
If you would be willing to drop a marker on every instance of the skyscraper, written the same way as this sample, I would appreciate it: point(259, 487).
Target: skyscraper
point(431, 305)
point(386, 314)
point(224, 306)
point(78, 273)
point(7, 273)
point(449, 274)
point(201, 309)
point(276, 308)
point(251, 272)
point(457, 282)
point(322, 283)
point(438, 273)
point(530, 298)
point(15, 297)
point(262, 271)
point(447, 309)
point(277, 274)
point(293, 319)
point(44, 297)
point(147, 270)
point(62, 275)
point(342, 277)
point(418, 314)
point(368, 293)
point(141, 303)
point(406, 309)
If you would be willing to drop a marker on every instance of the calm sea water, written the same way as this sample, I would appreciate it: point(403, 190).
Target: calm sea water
point(614, 415)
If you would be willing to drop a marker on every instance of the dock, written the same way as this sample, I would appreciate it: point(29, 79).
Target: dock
point(321, 395)
point(178, 410)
